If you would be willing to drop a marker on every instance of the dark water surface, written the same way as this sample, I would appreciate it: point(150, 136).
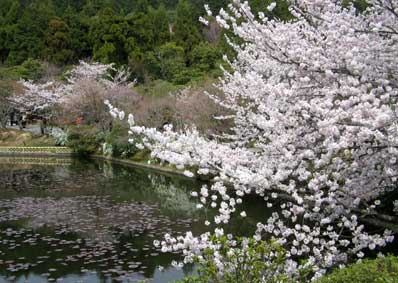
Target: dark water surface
point(68, 220)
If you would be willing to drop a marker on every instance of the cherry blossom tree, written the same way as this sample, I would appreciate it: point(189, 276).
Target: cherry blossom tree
point(88, 86)
point(38, 96)
point(315, 130)
point(107, 74)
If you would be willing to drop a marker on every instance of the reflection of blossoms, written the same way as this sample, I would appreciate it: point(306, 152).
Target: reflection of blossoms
point(174, 198)
point(396, 206)
point(315, 121)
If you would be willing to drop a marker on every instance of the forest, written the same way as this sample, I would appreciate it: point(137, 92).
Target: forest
point(156, 39)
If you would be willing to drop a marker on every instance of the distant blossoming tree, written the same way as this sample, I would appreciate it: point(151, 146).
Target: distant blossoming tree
point(38, 96)
point(315, 128)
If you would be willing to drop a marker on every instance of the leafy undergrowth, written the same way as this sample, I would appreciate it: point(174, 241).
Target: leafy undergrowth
point(142, 156)
point(21, 138)
point(380, 270)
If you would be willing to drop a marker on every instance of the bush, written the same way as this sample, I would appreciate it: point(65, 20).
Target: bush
point(142, 156)
point(118, 139)
point(61, 137)
point(84, 140)
point(30, 69)
point(381, 270)
point(255, 262)
point(205, 57)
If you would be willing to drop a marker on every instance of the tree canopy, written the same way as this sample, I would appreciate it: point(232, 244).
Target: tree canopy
point(124, 32)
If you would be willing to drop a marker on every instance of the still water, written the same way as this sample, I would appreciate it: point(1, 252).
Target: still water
point(69, 220)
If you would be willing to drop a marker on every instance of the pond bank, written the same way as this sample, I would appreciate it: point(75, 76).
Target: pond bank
point(138, 164)
point(65, 152)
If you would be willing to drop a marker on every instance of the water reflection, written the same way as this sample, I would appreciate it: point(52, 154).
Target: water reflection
point(79, 221)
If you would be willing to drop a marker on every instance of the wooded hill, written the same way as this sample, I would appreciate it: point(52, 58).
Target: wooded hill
point(158, 39)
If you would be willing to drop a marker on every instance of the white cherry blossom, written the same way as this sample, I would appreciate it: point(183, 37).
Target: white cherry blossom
point(315, 126)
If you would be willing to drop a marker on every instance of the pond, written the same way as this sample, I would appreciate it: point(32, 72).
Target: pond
point(70, 220)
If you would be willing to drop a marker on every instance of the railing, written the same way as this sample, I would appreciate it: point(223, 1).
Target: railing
point(35, 150)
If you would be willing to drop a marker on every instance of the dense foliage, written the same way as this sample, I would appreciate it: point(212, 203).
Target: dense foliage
point(248, 256)
point(157, 39)
point(84, 140)
point(252, 269)
point(381, 270)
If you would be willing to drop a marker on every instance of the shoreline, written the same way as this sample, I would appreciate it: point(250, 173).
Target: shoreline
point(140, 165)
point(65, 152)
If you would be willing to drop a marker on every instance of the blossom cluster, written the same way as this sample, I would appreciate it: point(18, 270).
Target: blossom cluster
point(38, 96)
point(315, 127)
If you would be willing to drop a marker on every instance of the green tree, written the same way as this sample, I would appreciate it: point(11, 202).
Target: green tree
point(205, 57)
point(30, 69)
point(167, 61)
point(129, 32)
point(280, 11)
point(106, 52)
point(58, 42)
point(28, 35)
point(108, 34)
point(185, 28)
point(11, 13)
point(79, 26)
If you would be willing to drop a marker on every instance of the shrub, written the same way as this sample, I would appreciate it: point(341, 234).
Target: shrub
point(30, 69)
point(142, 156)
point(205, 57)
point(84, 140)
point(194, 108)
point(118, 139)
point(380, 270)
point(255, 262)
point(61, 137)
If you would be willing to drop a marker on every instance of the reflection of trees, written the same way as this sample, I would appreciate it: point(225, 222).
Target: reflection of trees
point(96, 205)
point(104, 178)
point(172, 193)
point(20, 180)
point(93, 205)
point(174, 197)
point(86, 177)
